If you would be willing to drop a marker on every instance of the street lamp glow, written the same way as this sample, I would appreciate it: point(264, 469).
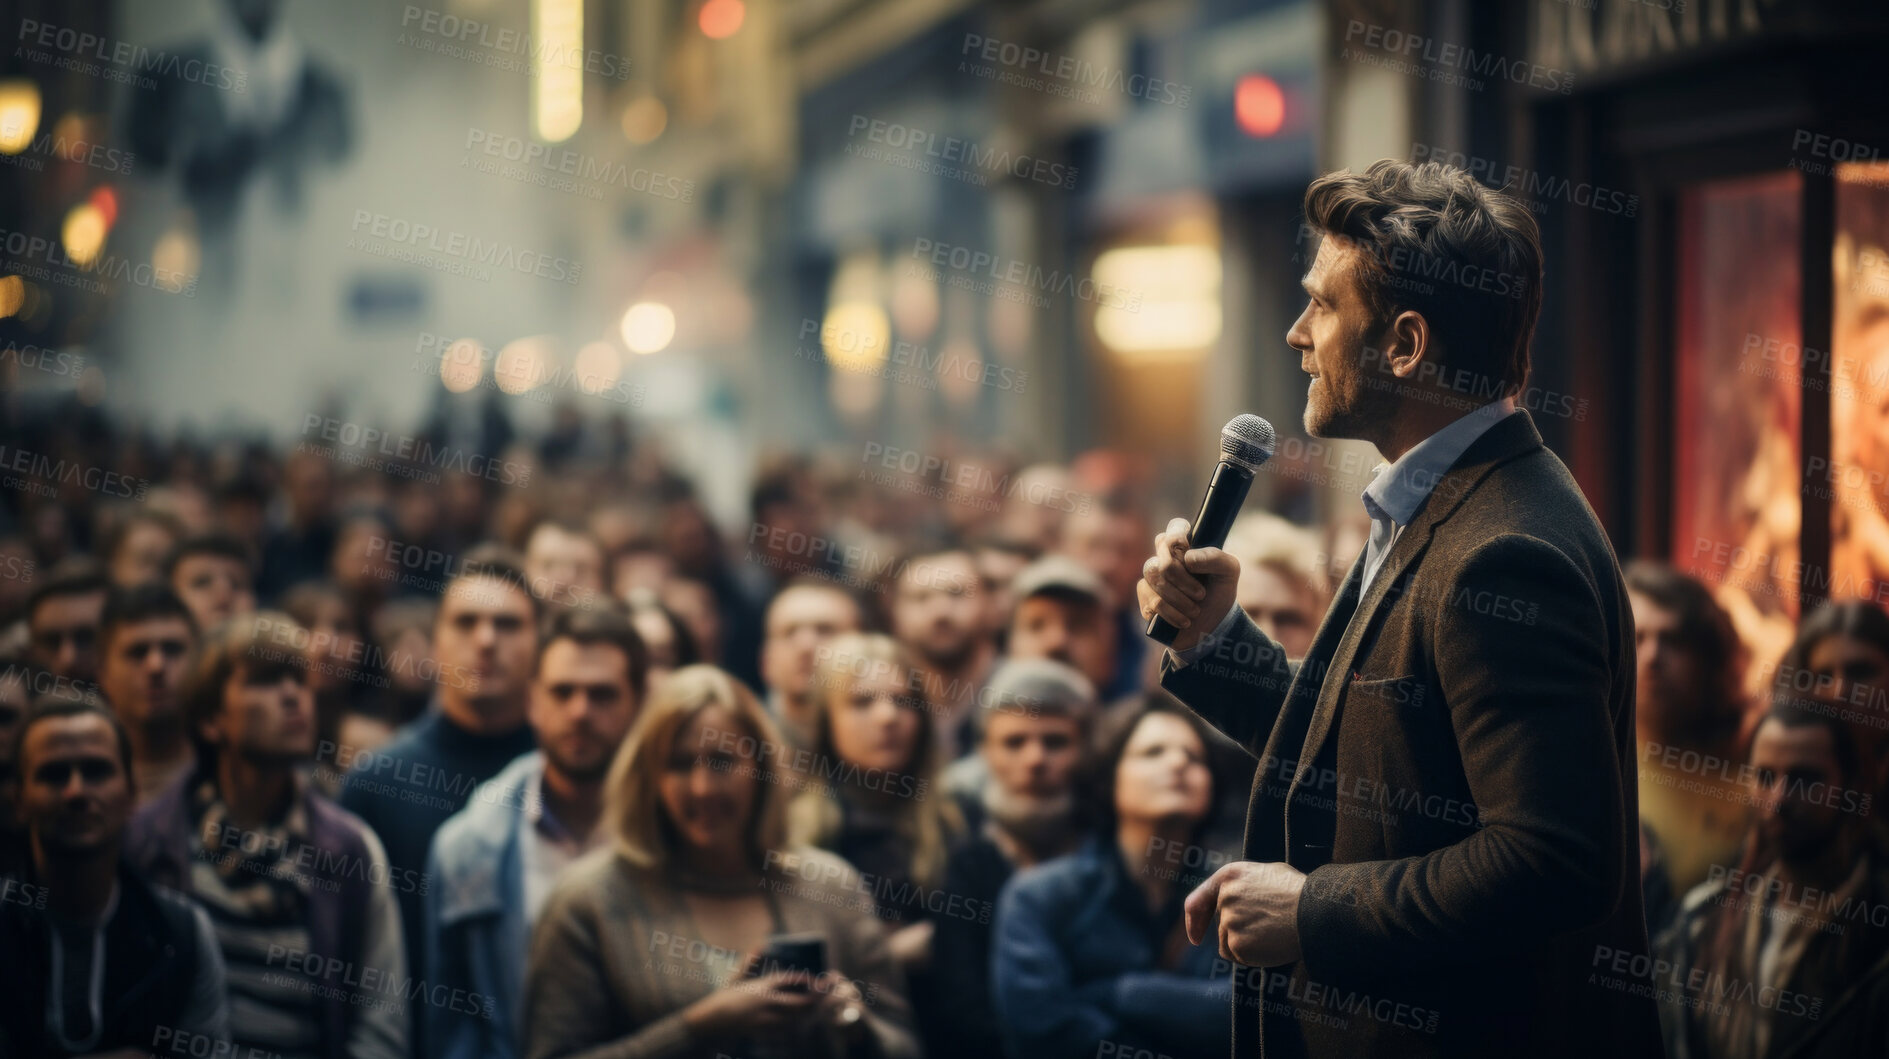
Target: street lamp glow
point(648, 327)
point(557, 89)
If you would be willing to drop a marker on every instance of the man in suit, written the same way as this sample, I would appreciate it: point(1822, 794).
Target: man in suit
point(1440, 850)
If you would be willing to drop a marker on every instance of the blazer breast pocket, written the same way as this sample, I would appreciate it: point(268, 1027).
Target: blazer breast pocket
point(1409, 692)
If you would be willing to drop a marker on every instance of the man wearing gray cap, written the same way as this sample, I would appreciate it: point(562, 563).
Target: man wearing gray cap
point(1033, 725)
point(1063, 613)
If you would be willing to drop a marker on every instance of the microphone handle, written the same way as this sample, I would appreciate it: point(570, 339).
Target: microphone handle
point(1226, 494)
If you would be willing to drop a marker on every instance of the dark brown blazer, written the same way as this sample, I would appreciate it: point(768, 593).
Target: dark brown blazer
point(1452, 766)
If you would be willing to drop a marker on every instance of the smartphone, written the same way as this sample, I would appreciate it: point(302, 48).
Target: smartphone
point(794, 952)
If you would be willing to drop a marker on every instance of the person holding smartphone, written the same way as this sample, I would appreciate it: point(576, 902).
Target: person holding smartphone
point(670, 942)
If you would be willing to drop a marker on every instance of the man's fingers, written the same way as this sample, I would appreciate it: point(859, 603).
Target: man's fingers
point(1209, 562)
point(1202, 904)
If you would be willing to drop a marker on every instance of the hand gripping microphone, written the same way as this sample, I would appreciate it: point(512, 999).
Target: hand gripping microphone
point(1245, 443)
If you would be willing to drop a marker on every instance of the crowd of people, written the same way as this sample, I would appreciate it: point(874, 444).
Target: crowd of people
point(306, 757)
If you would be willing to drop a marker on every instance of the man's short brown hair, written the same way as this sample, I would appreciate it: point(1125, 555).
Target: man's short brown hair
point(1434, 241)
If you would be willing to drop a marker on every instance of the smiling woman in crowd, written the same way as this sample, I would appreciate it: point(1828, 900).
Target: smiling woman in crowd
point(652, 947)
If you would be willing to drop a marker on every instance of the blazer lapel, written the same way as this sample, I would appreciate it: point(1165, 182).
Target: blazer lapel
point(1505, 440)
point(1288, 733)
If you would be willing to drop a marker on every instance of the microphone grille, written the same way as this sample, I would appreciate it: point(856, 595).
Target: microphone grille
point(1247, 440)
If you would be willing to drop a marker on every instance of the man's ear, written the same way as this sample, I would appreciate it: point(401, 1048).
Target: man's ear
point(1407, 343)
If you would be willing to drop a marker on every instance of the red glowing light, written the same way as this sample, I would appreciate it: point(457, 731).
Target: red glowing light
point(1259, 105)
point(720, 19)
point(106, 200)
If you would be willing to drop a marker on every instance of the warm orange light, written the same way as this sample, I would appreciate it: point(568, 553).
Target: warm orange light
point(720, 19)
point(1259, 105)
point(107, 202)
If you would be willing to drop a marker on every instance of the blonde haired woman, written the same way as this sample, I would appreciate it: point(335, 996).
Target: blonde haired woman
point(652, 947)
point(869, 792)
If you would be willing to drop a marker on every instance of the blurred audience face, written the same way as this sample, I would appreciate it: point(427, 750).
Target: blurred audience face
point(334, 645)
point(582, 705)
point(688, 536)
point(694, 602)
point(938, 610)
point(1790, 764)
point(406, 648)
point(1848, 663)
point(1163, 776)
point(268, 716)
point(998, 567)
point(362, 562)
point(75, 796)
point(308, 479)
point(1032, 758)
point(1111, 543)
point(214, 587)
point(14, 695)
point(799, 620)
point(1669, 673)
point(16, 576)
point(140, 555)
point(874, 721)
point(640, 568)
point(63, 631)
point(1071, 629)
point(707, 791)
point(657, 635)
point(484, 639)
point(143, 666)
point(557, 557)
point(1283, 609)
point(1040, 524)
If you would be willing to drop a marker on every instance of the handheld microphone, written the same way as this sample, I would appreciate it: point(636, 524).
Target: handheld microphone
point(1246, 442)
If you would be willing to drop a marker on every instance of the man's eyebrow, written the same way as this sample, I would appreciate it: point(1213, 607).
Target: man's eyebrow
point(1309, 286)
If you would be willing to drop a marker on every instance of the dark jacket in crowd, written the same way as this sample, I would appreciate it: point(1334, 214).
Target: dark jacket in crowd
point(1828, 997)
point(1076, 966)
point(162, 988)
point(958, 1018)
point(1452, 766)
point(407, 788)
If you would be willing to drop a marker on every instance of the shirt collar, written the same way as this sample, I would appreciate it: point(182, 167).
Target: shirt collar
point(1398, 489)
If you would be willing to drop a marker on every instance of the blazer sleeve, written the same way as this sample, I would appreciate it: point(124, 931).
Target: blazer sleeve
point(1237, 685)
point(1529, 701)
